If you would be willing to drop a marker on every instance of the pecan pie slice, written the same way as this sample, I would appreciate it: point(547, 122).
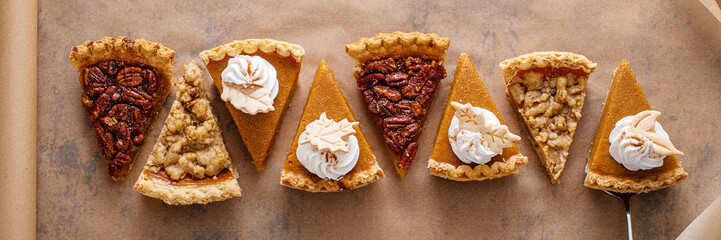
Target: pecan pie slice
point(468, 88)
point(189, 163)
point(626, 98)
point(548, 89)
point(398, 73)
point(125, 82)
point(326, 100)
point(257, 79)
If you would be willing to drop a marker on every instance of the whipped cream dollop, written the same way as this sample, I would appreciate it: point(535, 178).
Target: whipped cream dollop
point(640, 143)
point(476, 135)
point(250, 84)
point(328, 148)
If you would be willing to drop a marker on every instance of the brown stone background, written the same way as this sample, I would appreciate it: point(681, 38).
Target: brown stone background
point(673, 47)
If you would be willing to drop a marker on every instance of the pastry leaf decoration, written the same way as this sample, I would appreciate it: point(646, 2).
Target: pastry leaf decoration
point(255, 99)
point(497, 137)
point(329, 135)
point(644, 123)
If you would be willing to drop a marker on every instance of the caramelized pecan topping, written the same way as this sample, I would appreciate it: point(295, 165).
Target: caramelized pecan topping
point(119, 97)
point(398, 92)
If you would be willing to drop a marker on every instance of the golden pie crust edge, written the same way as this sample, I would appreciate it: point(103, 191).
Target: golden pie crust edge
point(645, 184)
point(427, 45)
point(251, 46)
point(349, 182)
point(479, 172)
point(125, 49)
point(544, 60)
point(189, 194)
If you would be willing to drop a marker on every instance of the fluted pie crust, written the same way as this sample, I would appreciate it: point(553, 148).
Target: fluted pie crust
point(186, 113)
point(252, 46)
point(557, 60)
point(549, 111)
point(468, 87)
point(426, 45)
point(134, 52)
point(259, 131)
point(326, 97)
point(603, 172)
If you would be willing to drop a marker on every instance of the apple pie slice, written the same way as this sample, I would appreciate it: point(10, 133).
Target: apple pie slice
point(189, 163)
point(548, 89)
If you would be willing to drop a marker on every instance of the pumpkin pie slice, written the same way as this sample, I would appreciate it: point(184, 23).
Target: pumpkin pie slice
point(398, 74)
point(189, 163)
point(329, 152)
point(256, 78)
point(625, 156)
point(125, 82)
point(548, 89)
point(486, 151)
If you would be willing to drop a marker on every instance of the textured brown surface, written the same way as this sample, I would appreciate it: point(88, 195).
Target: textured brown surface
point(18, 118)
point(673, 46)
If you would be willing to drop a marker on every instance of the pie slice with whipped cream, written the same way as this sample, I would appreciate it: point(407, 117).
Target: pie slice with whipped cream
point(548, 90)
point(472, 142)
point(189, 163)
point(256, 78)
point(329, 152)
point(398, 74)
point(631, 152)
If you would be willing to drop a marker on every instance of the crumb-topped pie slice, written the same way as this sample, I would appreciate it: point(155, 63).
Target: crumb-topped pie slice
point(548, 90)
point(189, 163)
point(398, 74)
point(329, 152)
point(472, 142)
point(256, 78)
point(631, 152)
point(125, 82)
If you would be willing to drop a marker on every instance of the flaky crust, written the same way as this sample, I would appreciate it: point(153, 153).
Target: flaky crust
point(250, 46)
point(545, 59)
point(188, 194)
point(427, 45)
point(132, 50)
point(350, 182)
point(646, 184)
point(477, 173)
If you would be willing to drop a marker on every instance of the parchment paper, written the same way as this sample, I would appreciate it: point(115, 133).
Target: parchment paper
point(673, 47)
point(18, 114)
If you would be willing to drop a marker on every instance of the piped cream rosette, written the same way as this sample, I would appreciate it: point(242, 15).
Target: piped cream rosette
point(476, 135)
point(250, 84)
point(328, 148)
point(640, 143)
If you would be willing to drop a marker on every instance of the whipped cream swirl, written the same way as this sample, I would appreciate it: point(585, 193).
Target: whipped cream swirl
point(250, 84)
point(328, 149)
point(470, 146)
point(640, 149)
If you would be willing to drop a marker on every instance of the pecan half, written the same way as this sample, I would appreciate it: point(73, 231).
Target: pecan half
point(408, 156)
point(95, 76)
point(388, 93)
point(137, 97)
point(130, 76)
